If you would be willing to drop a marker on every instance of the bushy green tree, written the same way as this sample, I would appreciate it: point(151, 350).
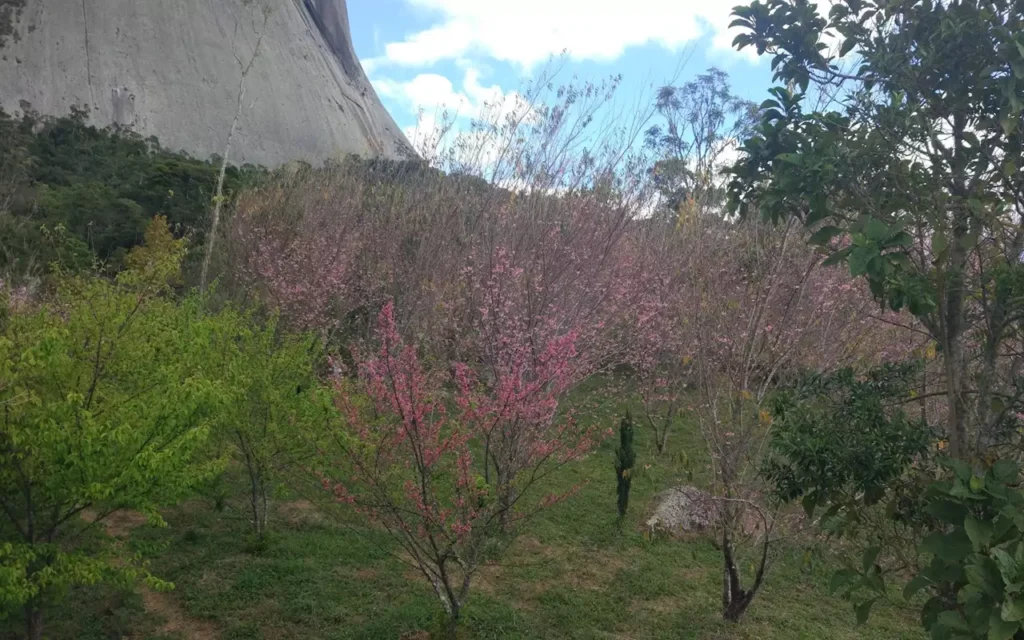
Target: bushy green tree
point(274, 409)
point(912, 177)
point(843, 444)
point(104, 408)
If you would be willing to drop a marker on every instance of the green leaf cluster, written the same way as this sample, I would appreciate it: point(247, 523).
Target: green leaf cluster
point(102, 186)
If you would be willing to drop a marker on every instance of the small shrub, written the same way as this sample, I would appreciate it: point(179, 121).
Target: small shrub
point(625, 459)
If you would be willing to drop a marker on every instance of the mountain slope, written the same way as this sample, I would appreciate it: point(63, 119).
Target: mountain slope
point(171, 68)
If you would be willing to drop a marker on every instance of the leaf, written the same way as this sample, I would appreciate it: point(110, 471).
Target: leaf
point(824, 234)
point(950, 547)
point(979, 531)
point(1008, 567)
point(1013, 610)
point(947, 511)
point(999, 629)
point(901, 239)
point(1005, 471)
point(791, 158)
point(915, 585)
point(840, 579)
point(859, 259)
point(809, 502)
point(953, 620)
point(959, 467)
point(836, 257)
point(876, 230)
point(869, 557)
point(984, 576)
point(863, 610)
point(847, 47)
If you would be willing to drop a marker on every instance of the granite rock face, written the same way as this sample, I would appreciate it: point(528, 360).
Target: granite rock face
point(171, 68)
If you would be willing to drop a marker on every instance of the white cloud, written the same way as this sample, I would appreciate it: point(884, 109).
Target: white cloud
point(433, 93)
point(428, 91)
point(528, 32)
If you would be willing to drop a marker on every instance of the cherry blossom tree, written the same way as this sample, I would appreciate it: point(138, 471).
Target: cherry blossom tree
point(761, 310)
point(290, 246)
point(409, 457)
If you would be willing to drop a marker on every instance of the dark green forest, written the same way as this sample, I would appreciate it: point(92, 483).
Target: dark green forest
point(81, 196)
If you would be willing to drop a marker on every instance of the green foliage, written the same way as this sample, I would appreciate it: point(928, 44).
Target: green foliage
point(838, 436)
point(973, 552)
point(976, 571)
point(913, 181)
point(275, 411)
point(101, 185)
point(839, 443)
point(625, 460)
point(104, 409)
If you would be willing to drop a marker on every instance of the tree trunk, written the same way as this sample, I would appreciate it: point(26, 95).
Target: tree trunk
point(218, 200)
point(33, 621)
point(957, 419)
point(736, 600)
point(662, 438)
point(451, 626)
point(506, 500)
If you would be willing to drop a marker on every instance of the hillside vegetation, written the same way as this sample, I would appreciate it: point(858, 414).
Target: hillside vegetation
point(570, 376)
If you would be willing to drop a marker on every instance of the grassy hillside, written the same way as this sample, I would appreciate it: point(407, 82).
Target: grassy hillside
point(575, 575)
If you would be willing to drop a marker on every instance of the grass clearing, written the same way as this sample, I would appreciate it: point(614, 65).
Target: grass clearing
point(573, 574)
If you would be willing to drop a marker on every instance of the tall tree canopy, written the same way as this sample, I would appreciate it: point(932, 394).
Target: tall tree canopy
point(910, 174)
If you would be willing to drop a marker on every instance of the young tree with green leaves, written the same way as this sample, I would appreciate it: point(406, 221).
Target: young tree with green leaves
point(274, 407)
point(101, 409)
point(912, 177)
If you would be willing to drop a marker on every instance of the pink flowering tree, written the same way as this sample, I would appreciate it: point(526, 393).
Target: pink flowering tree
point(294, 250)
point(543, 317)
point(762, 308)
point(411, 456)
point(658, 338)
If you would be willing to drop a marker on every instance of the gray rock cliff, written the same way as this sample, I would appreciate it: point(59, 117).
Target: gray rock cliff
point(171, 68)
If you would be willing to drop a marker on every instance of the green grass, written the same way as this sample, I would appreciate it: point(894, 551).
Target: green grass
point(573, 574)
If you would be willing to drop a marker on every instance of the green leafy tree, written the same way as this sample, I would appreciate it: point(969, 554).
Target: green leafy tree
point(700, 122)
point(274, 408)
point(960, 537)
point(102, 410)
point(101, 185)
point(625, 460)
point(911, 177)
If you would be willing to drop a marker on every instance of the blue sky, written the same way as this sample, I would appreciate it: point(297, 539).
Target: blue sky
point(430, 54)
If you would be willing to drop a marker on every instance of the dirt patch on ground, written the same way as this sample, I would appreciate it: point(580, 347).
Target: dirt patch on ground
point(118, 524)
point(175, 619)
point(367, 573)
point(300, 512)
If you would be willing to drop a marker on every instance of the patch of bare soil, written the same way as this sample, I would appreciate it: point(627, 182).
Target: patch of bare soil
point(119, 525)
point(175, 619)
point(300, 512)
